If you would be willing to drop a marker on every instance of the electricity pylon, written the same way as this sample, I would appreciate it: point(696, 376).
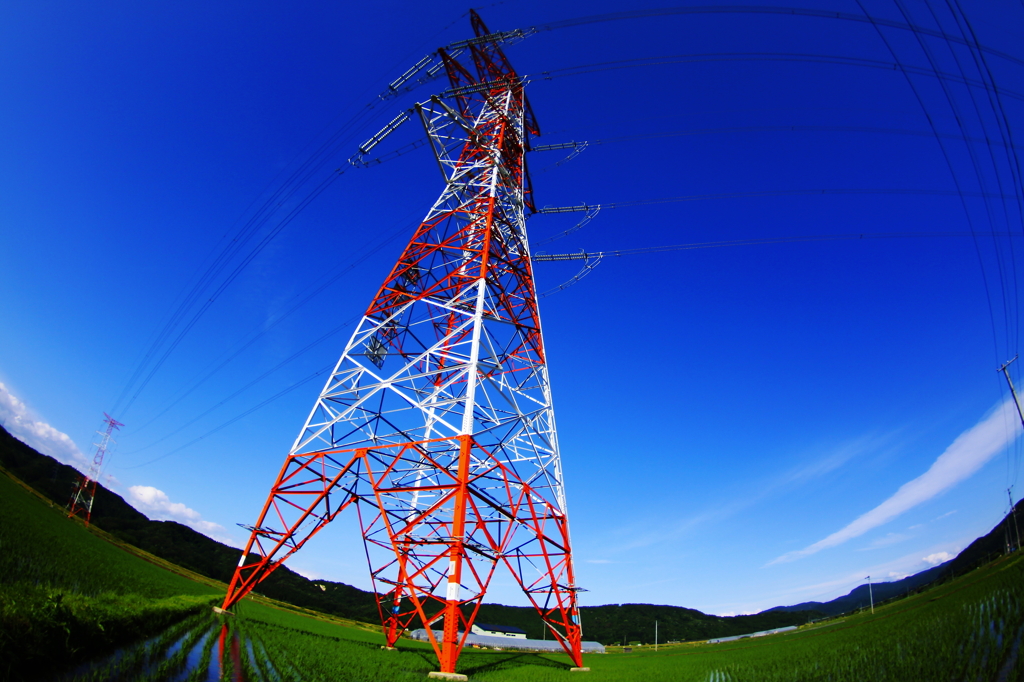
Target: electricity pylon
point(436, 427)
point(85, 490)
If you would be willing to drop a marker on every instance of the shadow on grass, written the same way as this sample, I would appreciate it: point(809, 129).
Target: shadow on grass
point(474, 663)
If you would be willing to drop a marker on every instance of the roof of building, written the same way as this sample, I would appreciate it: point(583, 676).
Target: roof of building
point(500, 628)
point(498, 641)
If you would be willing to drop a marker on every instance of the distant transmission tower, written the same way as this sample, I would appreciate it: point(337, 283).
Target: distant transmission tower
point(85, 490)
point(436, 427)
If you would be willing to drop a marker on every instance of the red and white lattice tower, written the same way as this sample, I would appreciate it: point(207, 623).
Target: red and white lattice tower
point(85, 490)
point(436, 428)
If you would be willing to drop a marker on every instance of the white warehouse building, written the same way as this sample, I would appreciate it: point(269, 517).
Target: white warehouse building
point(510, 638)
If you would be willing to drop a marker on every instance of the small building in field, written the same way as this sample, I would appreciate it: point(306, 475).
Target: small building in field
point(509, 642)
point(498, 631)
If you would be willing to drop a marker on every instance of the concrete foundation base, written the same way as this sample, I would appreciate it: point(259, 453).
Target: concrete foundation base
point(455, 677)
point(579, 670)
point(217, 609)
point(389, 648)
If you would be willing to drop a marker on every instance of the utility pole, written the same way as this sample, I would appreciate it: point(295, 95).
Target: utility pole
point(1013, 515)
point(871, 595)
point(655, 635)
point(1013, 391)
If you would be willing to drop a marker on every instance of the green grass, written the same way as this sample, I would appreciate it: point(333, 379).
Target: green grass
point(66, 593)
point(963, 630)
point(257, 612)
point(967, 629)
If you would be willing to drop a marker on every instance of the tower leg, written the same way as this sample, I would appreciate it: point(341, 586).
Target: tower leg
point(452, 646)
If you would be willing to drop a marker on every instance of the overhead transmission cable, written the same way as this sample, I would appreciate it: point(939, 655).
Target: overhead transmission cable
point(161, 346)
point(253, 382)
point(1008, 288)
point(153, 359)
point(591, 210)
point(405, 86)
point(781, 11)
point(950, 166)
point(246, 413)
point(293, 305)
point(583, 208)
point(395, 90)
point(594, 258)
point(578, 147)
point(1005, 131)
point(763, 56)
point(1002, 124)
point(146, 371)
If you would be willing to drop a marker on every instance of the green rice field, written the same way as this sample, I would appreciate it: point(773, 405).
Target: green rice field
point(967, 629)
point(75, 606)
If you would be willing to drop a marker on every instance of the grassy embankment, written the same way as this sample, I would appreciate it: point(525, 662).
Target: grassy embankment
point(69, 594)
point(65, 592)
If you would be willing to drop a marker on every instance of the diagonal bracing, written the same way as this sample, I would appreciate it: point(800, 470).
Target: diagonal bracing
point(436, 427)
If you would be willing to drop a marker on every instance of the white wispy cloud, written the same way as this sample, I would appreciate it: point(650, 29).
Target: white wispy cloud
point(887, 541)
point(968, 453)
point(23, 425)
point(155, 503)
point(819, 465)
point(832, 459)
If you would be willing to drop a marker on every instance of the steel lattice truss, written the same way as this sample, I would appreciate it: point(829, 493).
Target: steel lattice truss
point(84, 493)
point(436, 425)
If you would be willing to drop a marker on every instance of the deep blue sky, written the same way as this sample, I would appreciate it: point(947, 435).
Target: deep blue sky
point(718, 409)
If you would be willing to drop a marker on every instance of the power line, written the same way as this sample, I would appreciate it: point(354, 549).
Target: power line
point(583, 208)
point(244, 414)
point(585, 255)
point(896, 65)
point(782, 11)
point(594, 258)
point(299, 300)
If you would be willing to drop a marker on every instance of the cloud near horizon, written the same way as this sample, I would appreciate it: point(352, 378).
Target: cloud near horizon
point(19, 422)
point(969, 452)
point(156, 502)
point(938, 558)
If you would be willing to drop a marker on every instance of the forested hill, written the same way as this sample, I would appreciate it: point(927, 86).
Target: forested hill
point(859, 597)
point(613, 623)
point(618, 623)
